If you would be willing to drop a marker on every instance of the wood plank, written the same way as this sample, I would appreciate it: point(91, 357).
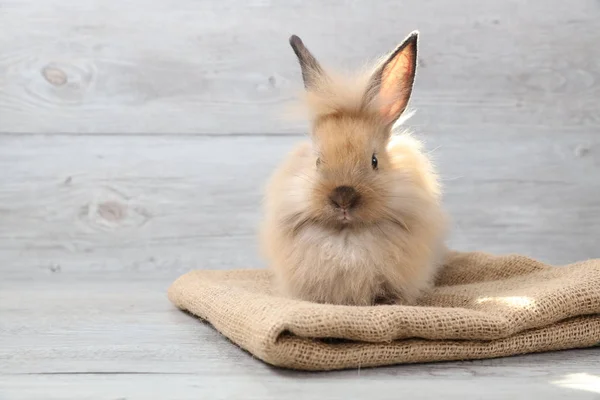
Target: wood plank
point(230, 386)
point(116, 207)
point(114, 67)
point(63, 340)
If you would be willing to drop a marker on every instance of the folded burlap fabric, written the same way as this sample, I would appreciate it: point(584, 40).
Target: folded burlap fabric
point(483, 306)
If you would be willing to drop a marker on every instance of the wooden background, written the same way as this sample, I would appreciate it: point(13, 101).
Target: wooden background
point(136, 137)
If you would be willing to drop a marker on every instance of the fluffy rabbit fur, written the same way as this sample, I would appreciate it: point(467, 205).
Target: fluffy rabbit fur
point(353, 216)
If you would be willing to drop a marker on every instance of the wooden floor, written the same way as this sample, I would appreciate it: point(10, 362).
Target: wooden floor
point(136, 137)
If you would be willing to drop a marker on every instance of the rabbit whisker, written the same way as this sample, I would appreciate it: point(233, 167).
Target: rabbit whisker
point(306, 178)
point(397, 221)
point(298, 221)
point(434, 149)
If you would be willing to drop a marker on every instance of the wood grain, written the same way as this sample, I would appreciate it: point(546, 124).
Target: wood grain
point(419, 386)
point(60, 340)
point(114, 67)
point(143, 207)
point(176, 387)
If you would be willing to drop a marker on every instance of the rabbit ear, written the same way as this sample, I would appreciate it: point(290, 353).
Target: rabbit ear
point(311, 70)
point(391, 83)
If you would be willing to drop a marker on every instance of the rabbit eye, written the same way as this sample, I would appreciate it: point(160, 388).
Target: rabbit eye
point(374, 162)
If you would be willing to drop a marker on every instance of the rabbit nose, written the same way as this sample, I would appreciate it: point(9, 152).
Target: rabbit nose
point(344, 197)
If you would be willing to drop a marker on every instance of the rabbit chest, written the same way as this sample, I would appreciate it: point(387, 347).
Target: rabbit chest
point(343, 251)
point(346, 267)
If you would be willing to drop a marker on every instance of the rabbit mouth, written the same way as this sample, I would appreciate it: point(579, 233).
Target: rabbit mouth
point(344, 217)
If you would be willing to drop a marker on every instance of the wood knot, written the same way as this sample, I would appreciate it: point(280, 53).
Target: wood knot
point(54, 268)
point(63, 83)
point(582, 151)
point(111, 211)
point(54, 76)
point(271, 84)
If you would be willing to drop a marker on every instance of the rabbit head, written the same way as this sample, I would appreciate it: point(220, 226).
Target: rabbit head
point(354, 174)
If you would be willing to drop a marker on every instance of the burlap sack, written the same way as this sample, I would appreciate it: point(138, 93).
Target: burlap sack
point(483, 306)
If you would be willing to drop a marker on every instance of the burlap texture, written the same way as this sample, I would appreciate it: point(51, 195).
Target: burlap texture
point(483, 306)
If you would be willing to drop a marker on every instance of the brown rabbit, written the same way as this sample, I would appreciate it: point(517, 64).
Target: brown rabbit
point(353, 217)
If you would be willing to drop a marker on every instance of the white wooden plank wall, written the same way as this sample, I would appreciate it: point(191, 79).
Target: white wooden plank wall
point(136, 137)
point(200, 66)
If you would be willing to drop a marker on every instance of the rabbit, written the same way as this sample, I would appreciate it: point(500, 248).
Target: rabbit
point(353, 216)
